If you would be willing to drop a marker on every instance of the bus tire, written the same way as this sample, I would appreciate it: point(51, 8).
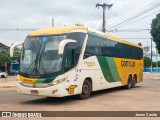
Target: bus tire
point(134, 82)
point(129, 84)
point(86, 90)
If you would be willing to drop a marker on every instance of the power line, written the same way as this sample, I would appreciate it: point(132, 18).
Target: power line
point(108, 1)
point(17, 29)
point(137, 38)
point(91, 13)
point(140, 18)
point(89, 16)
point(109, 30)
point(130, 30)
point(115, 2)
point(112, 19)
point(136, 16)
point(126, 12)
point(131, 12)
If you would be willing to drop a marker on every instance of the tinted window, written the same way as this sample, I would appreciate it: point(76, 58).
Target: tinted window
point(73, 50)
point(114, 49)
point(92, 47)
point(105, 47)
point(131, 52)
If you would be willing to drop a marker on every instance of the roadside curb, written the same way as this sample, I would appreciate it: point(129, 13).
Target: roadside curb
point(7, 86)
point(157, 78)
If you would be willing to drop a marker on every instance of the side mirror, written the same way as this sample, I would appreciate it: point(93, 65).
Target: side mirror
point(13, 46)
point(63, 44)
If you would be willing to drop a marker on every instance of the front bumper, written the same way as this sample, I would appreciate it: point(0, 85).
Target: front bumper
point(52, 91)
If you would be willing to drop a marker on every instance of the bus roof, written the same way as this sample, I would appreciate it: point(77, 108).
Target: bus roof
point(67, 29)
point(56, 30)
point(121, 40)
point(108, 36)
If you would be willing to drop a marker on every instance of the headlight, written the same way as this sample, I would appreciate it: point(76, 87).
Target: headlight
point(18, 80)
point(57, 81)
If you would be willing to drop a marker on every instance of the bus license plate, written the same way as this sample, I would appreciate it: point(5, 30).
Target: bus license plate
point(34, 92)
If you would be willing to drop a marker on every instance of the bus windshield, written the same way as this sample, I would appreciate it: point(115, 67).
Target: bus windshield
point(40, 55)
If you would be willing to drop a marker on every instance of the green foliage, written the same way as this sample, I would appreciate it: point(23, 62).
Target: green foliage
point(155, 31)
point(153, 64)
point(5, 57)
point(158, 63)
point(16, 54)
point(147, 62)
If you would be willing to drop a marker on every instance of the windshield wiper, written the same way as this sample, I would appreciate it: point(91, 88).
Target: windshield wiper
point(33, 63)
point(40, 60)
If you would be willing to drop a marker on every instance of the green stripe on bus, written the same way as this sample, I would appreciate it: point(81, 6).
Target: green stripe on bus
point(47, 80)
point(108, 68)
point(113, 68)
point(105, 69)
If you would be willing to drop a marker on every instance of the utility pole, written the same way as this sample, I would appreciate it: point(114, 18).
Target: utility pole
point(52, 22)
point(104, 8)
point(156, 61)
point(151, 53)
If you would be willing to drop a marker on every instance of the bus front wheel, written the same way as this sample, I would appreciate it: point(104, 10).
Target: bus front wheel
point(86, 90)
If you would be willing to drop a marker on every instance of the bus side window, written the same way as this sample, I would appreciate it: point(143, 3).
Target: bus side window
point(105, 47)
point(113, 48)
point(70, 57)
point(92, 47)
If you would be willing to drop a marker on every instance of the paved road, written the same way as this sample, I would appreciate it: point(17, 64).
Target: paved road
point(146, 96)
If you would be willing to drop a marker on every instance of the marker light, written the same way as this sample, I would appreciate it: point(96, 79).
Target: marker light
point(58, 81)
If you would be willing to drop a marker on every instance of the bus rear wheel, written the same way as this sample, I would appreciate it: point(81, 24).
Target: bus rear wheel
point(134, 82)
point(86, 90)
point(129, 85)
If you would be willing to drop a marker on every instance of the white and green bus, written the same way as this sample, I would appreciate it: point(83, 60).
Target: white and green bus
point(76, 60)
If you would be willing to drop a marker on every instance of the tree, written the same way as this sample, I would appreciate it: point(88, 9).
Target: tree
point(158, 63)
point(154, 64)
point(16, 54)
point(155, 31)
point(5, 59)
point(147, 62)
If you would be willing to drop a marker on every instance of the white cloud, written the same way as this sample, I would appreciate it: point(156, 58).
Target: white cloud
point(38, 14)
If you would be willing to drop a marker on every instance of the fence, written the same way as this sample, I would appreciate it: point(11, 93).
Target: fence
point(153, 70)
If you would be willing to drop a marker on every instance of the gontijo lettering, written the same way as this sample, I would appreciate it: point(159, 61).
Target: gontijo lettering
point(128, 64)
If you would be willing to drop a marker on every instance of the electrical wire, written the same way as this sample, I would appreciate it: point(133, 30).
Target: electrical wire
point(115, 2)
point(132, 11)
point(17, 29)
point(137, 15)
point(128, 30)
point(123, 12)
point(120, 30)
point(140, 18)
point(91, 14)
point(137, 38)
